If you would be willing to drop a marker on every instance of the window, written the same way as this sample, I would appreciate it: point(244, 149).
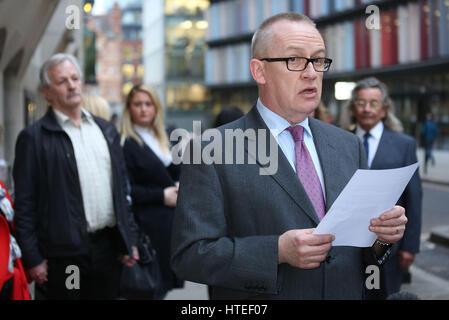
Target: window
point(128, 71)
point(185, 7)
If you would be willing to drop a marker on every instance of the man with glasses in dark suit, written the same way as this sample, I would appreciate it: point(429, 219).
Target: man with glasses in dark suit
point(248, 232)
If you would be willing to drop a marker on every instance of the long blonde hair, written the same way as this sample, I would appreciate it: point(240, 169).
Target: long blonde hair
point(96, 105)
point(126, 125)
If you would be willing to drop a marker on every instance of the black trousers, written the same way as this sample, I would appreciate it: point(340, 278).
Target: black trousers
point(88, 277)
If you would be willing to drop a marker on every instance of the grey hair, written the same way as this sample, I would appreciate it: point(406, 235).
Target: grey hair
point(263, 34)
point(53, 61)
point(391, 122)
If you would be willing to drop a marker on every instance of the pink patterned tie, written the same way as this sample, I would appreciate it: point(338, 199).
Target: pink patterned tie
point(306, 172)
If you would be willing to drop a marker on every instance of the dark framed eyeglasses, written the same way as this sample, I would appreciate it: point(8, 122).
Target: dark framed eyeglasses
point(301, 63)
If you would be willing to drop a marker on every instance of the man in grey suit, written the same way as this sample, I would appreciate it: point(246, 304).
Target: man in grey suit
point(387, 148)
point(245, 229)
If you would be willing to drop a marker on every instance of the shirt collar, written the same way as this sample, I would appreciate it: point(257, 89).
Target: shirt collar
point(86, 115)
point(375, 132)
point(63, 118)
point(143, 132)
point(276, 123)
point(140, 128)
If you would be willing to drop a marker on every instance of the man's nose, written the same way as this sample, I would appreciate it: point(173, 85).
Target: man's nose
point(309, 72)
point(367, 107)
point(71, 84)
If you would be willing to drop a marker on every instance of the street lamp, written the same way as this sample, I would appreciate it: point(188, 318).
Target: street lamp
point(88, 5)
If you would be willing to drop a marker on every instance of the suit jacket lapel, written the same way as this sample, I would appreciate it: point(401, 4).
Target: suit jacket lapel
point(285, 176)
point(382, 149)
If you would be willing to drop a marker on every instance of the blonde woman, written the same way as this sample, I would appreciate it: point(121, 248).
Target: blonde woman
point(152, 174)
point(96, 105)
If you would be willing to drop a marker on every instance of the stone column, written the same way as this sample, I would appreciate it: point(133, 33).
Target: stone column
point(14, 113)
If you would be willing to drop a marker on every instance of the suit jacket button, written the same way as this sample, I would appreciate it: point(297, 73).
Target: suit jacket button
point(328, 259)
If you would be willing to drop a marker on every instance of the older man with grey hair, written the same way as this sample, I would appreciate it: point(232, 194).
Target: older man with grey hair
point(371, 110)
point(72, 212)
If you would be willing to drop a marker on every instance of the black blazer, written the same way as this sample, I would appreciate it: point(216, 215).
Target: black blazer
point(50, 219)
point(148, 178)
point(399, 150)
point(229, 217)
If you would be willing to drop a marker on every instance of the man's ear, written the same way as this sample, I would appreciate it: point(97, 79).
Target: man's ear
point(45, 92)
point(257, 71)
point(384, 112)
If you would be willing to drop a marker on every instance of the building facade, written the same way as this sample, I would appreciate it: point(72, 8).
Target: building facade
point(108, 57)
point(403, 43)
point(132, 45)
point(174, 45)
point(29, 35)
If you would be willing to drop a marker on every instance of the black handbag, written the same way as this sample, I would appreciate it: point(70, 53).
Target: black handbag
point(143, 280)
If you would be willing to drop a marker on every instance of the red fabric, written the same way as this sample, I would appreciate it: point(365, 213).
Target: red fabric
point(387, 38)
point(307, 7)
point(20, 290)
point(362, 45)
point(7, 193)
point(358, 45)
point(4, 251)
point(394, 37)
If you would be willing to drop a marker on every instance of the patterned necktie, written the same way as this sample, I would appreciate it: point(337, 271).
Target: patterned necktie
point(365, 143)
point(305, 170)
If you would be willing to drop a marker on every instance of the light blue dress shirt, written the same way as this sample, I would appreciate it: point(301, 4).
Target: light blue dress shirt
point(373, 140)
point(278, 126)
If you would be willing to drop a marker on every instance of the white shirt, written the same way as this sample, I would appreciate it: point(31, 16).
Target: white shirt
point(150, 140)
point(278, 127)
point(93, 162)
point(373, 139)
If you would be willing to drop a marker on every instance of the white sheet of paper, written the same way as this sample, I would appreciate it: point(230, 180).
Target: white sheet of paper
point(367, 195)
